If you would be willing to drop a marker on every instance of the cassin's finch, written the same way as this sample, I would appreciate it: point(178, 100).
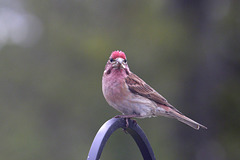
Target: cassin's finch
point(129, 94)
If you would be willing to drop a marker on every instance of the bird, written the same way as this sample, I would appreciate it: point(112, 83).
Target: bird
point(134, 98)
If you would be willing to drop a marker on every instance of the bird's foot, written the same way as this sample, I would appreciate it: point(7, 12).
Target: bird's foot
point(127, 117)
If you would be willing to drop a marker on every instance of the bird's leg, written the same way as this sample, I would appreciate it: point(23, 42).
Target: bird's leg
point(127, 123)
point(127, 117)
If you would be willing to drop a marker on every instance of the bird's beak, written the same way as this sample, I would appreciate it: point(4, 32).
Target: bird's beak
point(119, 63)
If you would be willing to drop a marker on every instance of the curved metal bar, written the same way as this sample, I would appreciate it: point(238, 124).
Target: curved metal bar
point(111, 126)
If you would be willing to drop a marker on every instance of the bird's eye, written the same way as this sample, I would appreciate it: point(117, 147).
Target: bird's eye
point(111, 60)
point(125, 61)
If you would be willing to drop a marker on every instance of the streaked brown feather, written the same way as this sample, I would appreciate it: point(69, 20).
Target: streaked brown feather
point(137, 86)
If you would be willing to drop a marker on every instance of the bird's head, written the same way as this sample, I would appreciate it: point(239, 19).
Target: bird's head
point(117, 60)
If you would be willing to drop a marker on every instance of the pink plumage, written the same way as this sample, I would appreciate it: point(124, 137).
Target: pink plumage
point(134, 98)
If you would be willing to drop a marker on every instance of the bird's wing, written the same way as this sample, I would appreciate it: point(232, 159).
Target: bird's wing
point(137, 86)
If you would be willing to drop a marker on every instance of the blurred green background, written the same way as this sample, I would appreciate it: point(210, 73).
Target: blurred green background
point(53, 53)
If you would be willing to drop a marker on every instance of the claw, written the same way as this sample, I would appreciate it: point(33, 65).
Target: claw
point(126, 118)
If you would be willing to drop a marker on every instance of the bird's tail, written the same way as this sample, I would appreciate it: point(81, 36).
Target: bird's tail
point(186, 120)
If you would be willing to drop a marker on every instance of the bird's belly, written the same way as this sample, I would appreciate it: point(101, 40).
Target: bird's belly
point(138, 105)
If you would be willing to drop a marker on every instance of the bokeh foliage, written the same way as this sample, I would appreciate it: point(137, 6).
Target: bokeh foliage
point(50, 76)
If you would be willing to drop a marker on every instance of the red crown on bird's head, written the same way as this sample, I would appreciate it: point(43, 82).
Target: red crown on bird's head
point(118, 54)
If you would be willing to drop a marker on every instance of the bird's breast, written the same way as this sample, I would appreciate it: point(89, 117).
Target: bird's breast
point(118, 95)
point(114, 89)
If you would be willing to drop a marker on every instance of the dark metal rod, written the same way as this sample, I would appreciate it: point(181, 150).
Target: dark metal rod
point(111, 126)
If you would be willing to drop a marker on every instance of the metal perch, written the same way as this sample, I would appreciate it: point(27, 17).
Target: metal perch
point(111, 126)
